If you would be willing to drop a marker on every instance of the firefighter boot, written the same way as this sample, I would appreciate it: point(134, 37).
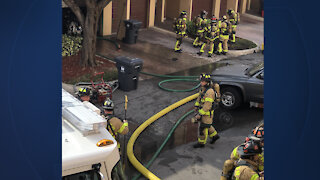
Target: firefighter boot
point(198, 145)
point(214, 139)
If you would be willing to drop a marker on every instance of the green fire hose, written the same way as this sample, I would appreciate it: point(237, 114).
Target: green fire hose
point(180, 78)
point(176, 78)
point(164, 142)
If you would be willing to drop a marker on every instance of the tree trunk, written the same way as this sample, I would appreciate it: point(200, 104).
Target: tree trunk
point(88, 57)
point(89, 25)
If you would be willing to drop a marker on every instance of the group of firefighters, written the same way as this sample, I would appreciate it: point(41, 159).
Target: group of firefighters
point(213, 33)
point(246, 160)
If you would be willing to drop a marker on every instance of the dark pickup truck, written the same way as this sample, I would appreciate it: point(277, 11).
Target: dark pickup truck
point(240, 83)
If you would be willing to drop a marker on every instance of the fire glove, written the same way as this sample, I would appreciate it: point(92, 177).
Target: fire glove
point(194, 120)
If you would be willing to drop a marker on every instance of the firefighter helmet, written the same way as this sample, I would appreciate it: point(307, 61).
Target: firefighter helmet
point(250, 148)
point(183, 13)
point(108, 104)
point(203, 13)
point(224, 18)
point(205, 77)
point(213, 19)
point(83, 91)
point(230, 11)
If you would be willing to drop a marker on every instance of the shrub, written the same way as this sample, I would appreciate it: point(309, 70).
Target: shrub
point(191, 29)
point(71, 45)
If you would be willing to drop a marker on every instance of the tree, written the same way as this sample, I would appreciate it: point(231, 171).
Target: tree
point(89, 23)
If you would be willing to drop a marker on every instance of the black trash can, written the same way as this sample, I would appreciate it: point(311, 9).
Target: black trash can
point(128, 72)
point(132, 28)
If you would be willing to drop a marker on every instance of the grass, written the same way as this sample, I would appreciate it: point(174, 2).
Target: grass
point(108, 75)
point(241, 44)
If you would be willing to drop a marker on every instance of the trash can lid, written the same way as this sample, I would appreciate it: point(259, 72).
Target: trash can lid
point(128, 61)
point(132, 21)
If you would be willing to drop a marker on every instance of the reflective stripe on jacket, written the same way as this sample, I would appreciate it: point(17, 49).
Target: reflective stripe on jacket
point(205, 101)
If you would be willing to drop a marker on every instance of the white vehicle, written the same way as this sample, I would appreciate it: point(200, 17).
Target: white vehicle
point(82, 129)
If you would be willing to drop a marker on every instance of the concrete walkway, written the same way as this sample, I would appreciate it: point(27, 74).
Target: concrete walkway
point(155, 48)
point(251, 27)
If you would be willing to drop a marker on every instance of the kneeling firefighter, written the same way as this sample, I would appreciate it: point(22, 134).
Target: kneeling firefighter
point(257, 136)
point(247, 166)
point(115, 126)
point(204, 106)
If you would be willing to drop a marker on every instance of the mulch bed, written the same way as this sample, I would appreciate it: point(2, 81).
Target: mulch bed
point(71, 69)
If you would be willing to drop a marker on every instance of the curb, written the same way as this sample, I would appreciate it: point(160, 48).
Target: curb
point(261, 19)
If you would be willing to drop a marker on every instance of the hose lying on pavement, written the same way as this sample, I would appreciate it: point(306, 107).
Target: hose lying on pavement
point(115, 43)
point(176, 78)
point(144, 125)
point(180, 78)
point(164, 142)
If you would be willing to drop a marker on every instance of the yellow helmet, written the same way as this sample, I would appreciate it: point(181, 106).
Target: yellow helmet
point(205, 77)
point(84, 91)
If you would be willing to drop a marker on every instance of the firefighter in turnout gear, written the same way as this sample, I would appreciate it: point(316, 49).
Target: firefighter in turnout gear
point(247, 167)
point(84, 94)
point(234, 20)
point(210, 34)
point(115, 126)
point(180, 27)
point(204, 108)
point(225, 30)
point(257, 137)
point(200, 23)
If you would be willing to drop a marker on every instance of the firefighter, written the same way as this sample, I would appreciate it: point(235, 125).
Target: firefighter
point(225, 30)
point(84, 94)
point(234, 20)
point(257, 136)
point(115, 126)
point(200, 23)
point(204, 108)
point(247, 166)
point(180, 27)
point(210, 34)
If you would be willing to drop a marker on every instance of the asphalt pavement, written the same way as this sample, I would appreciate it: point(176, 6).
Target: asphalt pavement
point(179, 160)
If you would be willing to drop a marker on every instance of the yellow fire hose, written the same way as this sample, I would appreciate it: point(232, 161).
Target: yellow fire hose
point(148, 174)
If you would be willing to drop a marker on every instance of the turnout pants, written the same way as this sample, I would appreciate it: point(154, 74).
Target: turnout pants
point(198, 39)
point(233, 34)
point(209, 42)
point(223, 43)
point(179, 37)
point(206, 129)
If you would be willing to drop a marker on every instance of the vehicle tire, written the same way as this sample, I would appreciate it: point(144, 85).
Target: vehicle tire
point(230, 98)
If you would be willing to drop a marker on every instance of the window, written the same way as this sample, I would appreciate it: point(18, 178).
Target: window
point(261, 75)
point(255, 68)
point(87, 175)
